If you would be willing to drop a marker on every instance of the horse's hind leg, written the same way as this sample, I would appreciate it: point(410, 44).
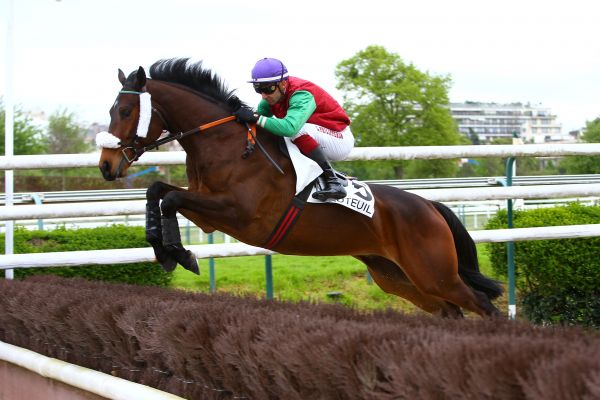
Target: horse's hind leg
point(436, 272)
point(154, 231)
point(391, 279)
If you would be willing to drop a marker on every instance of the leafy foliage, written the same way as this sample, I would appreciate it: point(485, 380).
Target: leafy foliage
point(392, 103)
point(559, 280)
point(111, 237)
point(585, 164)
point(568, 307)
point(28, 138)
point(65, 136)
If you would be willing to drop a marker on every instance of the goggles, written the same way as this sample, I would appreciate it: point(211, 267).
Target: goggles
point(266, 89)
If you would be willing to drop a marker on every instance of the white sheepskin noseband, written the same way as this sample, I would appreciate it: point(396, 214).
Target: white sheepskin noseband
point(107, 140)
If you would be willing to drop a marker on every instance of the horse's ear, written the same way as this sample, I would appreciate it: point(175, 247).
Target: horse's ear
point(121, 77)
point(141, 78)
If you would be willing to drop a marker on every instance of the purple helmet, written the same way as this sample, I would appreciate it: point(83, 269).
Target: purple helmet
point(268, 70)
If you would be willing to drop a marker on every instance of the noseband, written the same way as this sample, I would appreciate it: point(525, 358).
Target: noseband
point(146, 111)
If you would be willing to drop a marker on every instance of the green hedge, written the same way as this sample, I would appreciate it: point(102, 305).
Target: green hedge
point(558, 280)
point(110, 237)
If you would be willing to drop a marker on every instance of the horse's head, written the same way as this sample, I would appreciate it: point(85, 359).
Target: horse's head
point(134, 124)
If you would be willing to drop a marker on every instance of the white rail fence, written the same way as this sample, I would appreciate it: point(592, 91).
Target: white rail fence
point(91, 381)
point(45, 211)
point(136, 207)
point(359, 153)
point(146, 254)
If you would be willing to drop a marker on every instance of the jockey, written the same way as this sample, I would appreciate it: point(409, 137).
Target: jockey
point(306, 113)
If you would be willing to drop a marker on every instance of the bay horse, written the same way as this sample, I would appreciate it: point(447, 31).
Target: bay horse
point(414, 248)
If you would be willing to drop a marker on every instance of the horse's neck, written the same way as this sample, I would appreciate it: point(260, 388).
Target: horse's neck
point(184, 109)
point(214, 156)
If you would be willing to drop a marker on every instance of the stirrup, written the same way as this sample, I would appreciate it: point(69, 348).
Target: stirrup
point(329, 193)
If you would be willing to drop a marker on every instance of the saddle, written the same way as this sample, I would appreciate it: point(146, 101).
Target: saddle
point(340, 175)
point(359, 197)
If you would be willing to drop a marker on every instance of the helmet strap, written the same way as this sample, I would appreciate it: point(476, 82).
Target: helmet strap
point(282, 67)
point(281, 79)
point(279, 87)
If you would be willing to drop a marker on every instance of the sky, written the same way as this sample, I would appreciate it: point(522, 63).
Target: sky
point(66, 53)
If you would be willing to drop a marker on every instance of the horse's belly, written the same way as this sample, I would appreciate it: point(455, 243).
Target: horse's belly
point(198, 221)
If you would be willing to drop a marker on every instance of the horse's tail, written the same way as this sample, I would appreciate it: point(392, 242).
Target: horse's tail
point(468, 265)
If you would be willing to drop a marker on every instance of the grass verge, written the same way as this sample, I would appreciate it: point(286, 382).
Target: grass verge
point(297, 278)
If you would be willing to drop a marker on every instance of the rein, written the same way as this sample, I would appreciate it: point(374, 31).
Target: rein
point(181, 135)
point(251, 138)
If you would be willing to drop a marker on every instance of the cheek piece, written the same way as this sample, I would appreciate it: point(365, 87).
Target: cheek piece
point(108, 140)
point(145, 115)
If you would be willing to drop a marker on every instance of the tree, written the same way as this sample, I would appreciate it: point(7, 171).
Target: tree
point(28, 138)
point(585, 164)
point(392, 103)
point(65, 136)
point(473, 137)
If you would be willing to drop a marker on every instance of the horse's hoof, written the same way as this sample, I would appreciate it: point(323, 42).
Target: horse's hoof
point(168, 264)
point(163, 257)
point(185, 258)
point(189, 262)
point(192, 264)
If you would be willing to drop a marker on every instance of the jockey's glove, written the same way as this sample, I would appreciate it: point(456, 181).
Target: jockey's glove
point(244, 114)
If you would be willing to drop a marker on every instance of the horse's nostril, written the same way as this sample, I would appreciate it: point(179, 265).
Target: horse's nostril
point(105, 169)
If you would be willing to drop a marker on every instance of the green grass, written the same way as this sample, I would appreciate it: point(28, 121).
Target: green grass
point(297, 278)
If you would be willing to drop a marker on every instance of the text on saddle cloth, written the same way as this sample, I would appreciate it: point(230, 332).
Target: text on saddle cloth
point(359, 198)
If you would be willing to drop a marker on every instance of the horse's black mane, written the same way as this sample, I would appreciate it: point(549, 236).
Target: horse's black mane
point(196, 77)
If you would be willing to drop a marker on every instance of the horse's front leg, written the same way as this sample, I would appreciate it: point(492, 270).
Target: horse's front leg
point(154, 231)
point(213, 205)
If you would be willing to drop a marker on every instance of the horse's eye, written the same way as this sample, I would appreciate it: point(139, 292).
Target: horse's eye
point(125, 112)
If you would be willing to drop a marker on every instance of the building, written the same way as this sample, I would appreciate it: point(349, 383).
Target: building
point(534, 124)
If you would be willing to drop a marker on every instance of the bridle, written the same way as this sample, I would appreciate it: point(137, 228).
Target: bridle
point(134, 144)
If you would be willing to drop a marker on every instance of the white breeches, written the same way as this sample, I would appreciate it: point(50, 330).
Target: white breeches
point(335, 145)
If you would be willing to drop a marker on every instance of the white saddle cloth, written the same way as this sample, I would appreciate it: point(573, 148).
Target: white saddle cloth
point(359, 197)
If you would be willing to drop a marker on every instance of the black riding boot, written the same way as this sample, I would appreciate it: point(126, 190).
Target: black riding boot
point(333, 188)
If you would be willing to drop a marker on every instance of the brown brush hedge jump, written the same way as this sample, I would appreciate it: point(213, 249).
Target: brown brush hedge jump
point(222, 347)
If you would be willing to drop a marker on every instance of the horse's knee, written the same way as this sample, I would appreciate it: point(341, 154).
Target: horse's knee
point(155, 191)
point(170, 204)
